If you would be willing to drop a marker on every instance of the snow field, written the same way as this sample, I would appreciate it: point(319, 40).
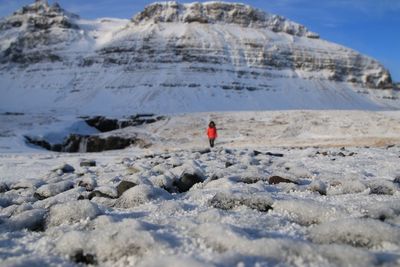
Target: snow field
point(235, 216)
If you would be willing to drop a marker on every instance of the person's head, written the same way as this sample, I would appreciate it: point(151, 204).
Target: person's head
point(211, 124)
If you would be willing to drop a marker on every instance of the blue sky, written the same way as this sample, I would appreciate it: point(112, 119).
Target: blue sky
point(369, 26)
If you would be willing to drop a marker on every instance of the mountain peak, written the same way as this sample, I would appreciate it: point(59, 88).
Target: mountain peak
point(42, 8)
point(219, 12)
point(39, 16)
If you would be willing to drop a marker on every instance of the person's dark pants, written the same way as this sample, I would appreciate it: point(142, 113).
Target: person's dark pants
point(211, 142)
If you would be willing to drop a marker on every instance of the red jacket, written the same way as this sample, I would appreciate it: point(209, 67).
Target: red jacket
point(212, 133)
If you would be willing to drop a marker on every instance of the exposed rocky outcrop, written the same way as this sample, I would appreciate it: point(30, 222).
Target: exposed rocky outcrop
point(104, 124)
point(219, 12)
point(87, 143)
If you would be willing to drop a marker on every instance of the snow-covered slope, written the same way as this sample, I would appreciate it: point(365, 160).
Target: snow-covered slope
point(179, 58)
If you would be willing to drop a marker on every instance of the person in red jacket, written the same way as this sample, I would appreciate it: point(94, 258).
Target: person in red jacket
point(212, 133)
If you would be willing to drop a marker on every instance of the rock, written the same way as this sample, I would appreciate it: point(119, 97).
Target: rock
point(123, 186)
point(72, 212)
point(104, 124)
point(85, 258)
point(187, 180)
point(382, 187)
point(141, 194)
point(250, 179)
point(279, 155)
point(202, 151)
point(397, 180)
point(87, 163)
point(27, 183)
point(66, 168)
point(97, 143)
point(85, 143)
point(228, 164)
point(50, 190)
point(89, 183)
point(5, 201)
point(33, 220)
point(228, 151)
point(277, 179)
point(215, 12)
point(356, 232)
point(318, 186)
point(256, 152)
point(104, 191)
point(225, 201)
point(4, 187)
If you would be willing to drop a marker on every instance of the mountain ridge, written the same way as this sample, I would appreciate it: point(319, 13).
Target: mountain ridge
point(175, 57)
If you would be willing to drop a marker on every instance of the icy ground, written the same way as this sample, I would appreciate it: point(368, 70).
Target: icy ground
point(336, 203)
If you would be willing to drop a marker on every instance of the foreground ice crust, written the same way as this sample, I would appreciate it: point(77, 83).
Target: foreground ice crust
point(233, 217)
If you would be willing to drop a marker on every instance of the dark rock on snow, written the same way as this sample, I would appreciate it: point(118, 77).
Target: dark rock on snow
point(279, 155)
point(97, 193)
point(66, 168)
point(85, 143)
point(104, 124)
point(123, 186)
point(186, 181)
point(228, 164)
point(87, 163)
point(85, 258)
point(33, 220)
point(278, 180)
point(4, 187)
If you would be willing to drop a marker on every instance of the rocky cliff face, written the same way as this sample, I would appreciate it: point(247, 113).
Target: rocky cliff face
point(172, 57)
point(218, 12)
point(32, 33)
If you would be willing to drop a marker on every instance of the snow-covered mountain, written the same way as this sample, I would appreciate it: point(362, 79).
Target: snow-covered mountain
point(175, 57)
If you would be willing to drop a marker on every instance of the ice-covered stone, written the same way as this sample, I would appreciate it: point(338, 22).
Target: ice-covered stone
point(318, 186)
point(72, 212)
point(27, 183)
point(49, 190)
point(382, 187)
point(88, 182)
point(112, 242)
point(141, 194)
point(226, 201)
point(306, 212)
point(356, 232)
point(31, 219)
